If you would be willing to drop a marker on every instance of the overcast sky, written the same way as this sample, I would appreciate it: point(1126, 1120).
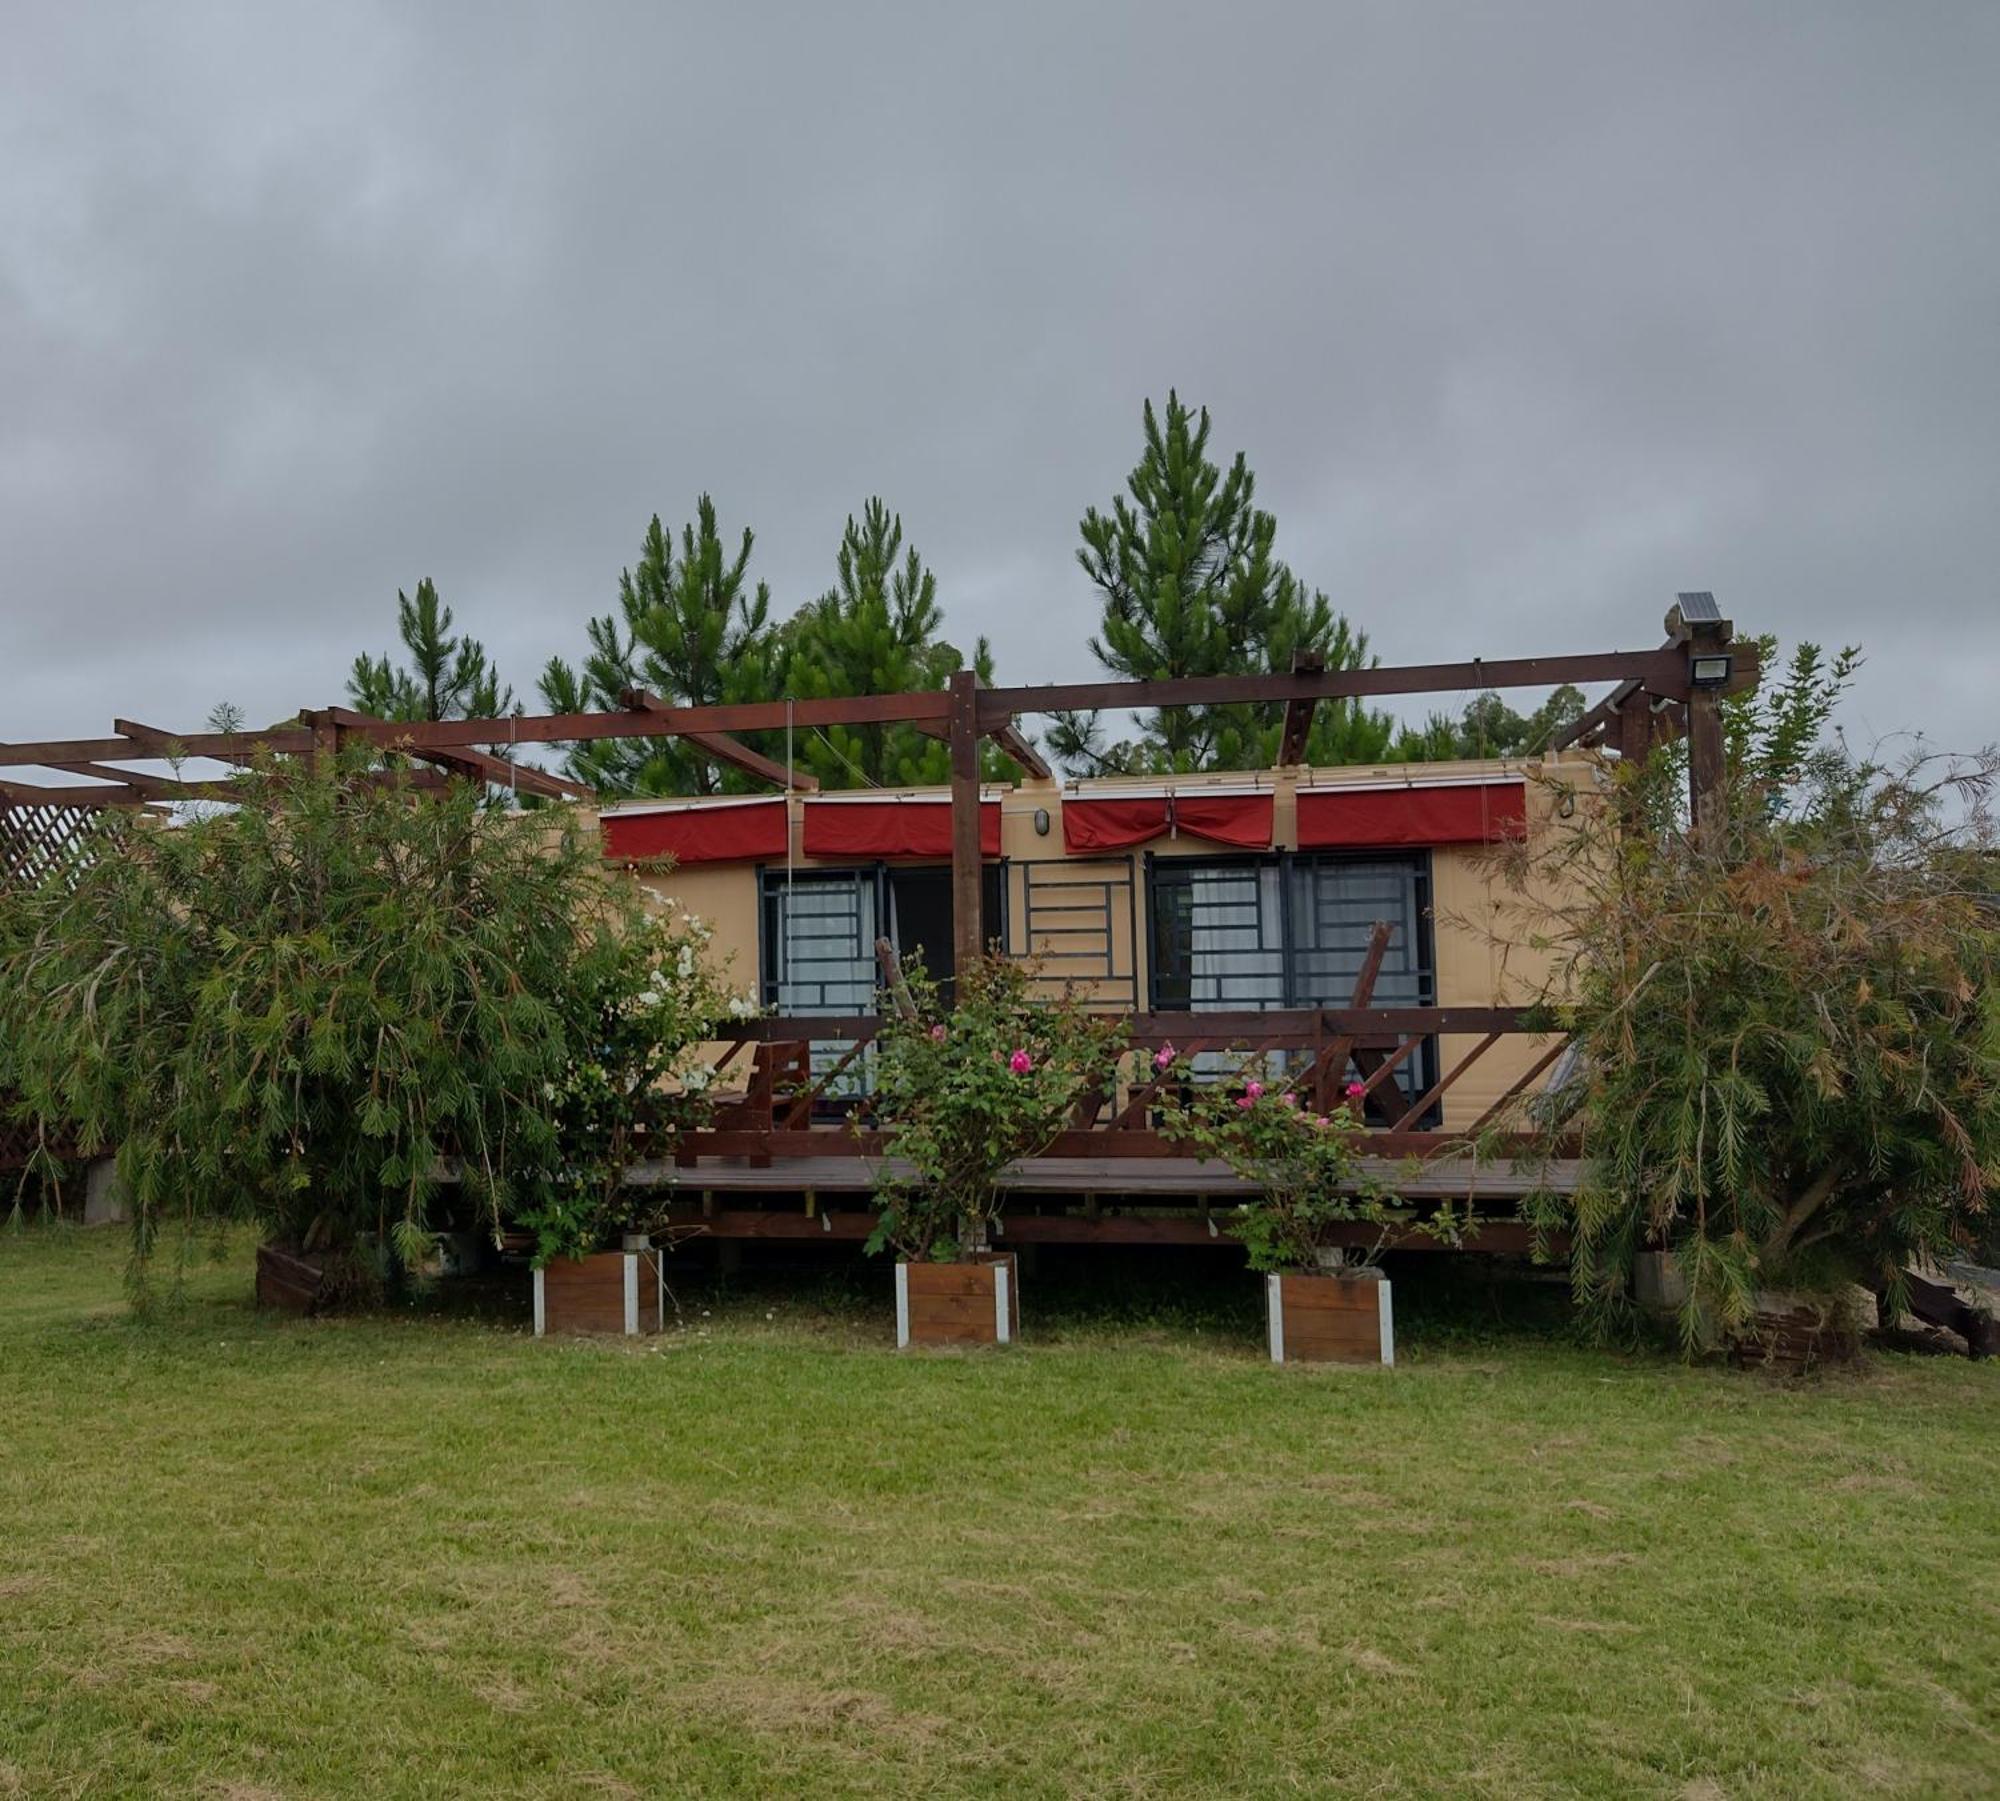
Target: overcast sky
point(1526, 316)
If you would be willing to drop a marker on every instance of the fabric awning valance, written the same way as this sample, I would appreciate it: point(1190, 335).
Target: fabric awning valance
point(1116, 822)
point(892, 828)
point(1337, 818)
point(720, 832)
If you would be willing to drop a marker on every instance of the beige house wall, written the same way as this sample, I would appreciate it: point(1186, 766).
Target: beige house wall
point(1478, 926)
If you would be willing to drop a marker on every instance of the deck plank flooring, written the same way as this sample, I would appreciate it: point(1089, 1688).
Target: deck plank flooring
point(1443, 1178)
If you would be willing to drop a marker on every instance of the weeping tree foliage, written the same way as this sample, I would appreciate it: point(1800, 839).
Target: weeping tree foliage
point(1788, 1041)
point(291, 1011)
point(1186, 564)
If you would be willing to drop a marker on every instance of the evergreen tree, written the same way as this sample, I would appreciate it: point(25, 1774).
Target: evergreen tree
point(447, 677)
point(689, 629)
point(1192, 587)
point(875, 632)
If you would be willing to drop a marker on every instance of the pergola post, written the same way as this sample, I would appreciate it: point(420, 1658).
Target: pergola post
point(967, 874)
point(1697, 625)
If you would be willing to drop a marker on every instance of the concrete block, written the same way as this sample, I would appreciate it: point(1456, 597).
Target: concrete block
point(104, 1197)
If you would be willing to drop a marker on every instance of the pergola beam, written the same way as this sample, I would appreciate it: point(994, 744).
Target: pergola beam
point(148, 787)
point(721, 745)
point(1664, 670)
point(97, 794)
point(152, 742)
point(1599, 717)
point(223, 746)
point(1013, 742)
point(1661, 673)
point(521, 778)
point(1299, 713)
point(465, 761)
point(739, 755)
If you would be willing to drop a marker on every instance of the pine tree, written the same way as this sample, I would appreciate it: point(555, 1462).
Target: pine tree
point(447, 677)
point(689, 629)
point(1489, 727)
point(1192, 587)
point(874, 632)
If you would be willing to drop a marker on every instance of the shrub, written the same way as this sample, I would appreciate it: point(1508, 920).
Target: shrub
point(1787, 1037)
point(639, 997)
point(296, 1010)
point(1303, 1163)
point(960, 1093)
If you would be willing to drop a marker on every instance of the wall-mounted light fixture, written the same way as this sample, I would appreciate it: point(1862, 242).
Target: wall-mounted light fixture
point(1041, 822)
point(1710, 669)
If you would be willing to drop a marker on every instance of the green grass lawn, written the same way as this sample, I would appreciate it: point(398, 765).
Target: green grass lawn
point(766, 1554)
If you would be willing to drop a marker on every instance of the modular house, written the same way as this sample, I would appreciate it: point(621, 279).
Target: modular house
point(1214, 893)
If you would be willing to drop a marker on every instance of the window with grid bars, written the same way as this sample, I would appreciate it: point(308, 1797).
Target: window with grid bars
point(1251, 934)
point(819, 929)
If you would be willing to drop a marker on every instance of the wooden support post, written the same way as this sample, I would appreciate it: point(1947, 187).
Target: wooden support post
point(1707, 798)
point(1697, 626)
point(967, 885)
point(1635, 738)
point(1299, 713)
point(329, 736)
point(893, 982)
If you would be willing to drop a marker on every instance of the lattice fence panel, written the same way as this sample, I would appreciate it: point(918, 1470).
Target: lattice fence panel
point(37, 841)
point(40, 843)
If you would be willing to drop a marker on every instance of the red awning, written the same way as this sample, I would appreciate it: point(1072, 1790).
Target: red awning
point(1108, 822)
point(1352, 818)
point(735, 832)
point(892, 828)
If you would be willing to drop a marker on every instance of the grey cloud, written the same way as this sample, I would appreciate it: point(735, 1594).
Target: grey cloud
point(1526, 316)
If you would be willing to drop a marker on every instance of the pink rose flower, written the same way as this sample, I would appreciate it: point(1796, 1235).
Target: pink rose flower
point(1289, 1098)
point(1355, 1090)
point(937, 1034)
point(1020, 1063)
point(1322, 1122)
point(1243, 1100)
point(1253, 1090)
point(1163, 1058)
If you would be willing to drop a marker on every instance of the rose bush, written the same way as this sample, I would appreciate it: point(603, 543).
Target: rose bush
point(1303, 1162)
point(960, 1094)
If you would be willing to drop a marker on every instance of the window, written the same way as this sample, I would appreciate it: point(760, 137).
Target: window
point(1257, 933)
point(1218, 934)
point(819, 929)
point(1334, 904)
point(819, 942)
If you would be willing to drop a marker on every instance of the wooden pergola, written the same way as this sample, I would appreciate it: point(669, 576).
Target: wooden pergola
point(774, 1139)
point(1663, 691)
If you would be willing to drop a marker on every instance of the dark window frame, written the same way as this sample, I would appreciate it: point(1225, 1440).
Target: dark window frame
point(1417, 1074)
point(773, 878)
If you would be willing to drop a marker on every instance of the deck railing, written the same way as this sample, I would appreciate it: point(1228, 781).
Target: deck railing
point(776, 1100)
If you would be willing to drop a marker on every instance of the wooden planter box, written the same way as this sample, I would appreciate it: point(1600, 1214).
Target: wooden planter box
point(289, 1282)
point(1793, 1337)
point(1330, 1319)
point(619, 1292)
point(974, 1302)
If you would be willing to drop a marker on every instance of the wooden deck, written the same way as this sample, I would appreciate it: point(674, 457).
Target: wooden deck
point(1083, 1201)
point(1186, 1179)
